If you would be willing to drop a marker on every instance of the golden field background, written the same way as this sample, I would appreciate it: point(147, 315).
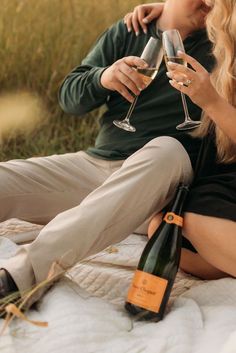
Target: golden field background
point(40, 42)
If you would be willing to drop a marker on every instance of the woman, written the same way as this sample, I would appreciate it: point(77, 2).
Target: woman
point(210, 212)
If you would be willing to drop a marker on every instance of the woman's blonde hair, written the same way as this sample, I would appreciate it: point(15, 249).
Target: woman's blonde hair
point(221, 27)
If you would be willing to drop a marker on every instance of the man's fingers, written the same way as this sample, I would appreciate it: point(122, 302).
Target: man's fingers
point(123, 77)
point(127, 68)
point(128, 83)
point(124, 92)
point(131, 79)
point(135, 61)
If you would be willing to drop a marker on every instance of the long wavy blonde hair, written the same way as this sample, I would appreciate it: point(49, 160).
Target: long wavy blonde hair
point(221, 27)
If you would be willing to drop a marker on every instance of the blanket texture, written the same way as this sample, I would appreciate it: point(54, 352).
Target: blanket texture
point(86, 315)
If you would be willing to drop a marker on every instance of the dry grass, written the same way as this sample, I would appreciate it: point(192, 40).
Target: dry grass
point(41, 41)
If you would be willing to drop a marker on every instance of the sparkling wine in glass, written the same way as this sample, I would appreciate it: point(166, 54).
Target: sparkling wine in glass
point(152, 55)
point(172, 43)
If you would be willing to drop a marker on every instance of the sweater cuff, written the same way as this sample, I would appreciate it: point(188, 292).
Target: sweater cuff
point(97, 81)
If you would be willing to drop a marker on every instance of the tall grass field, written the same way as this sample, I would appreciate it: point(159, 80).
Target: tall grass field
point(40, 42)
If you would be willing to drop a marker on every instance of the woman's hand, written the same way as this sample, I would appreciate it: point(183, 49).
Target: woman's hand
point(142, 15)
point(197, 85)
point(123, 78)
point(195, 81)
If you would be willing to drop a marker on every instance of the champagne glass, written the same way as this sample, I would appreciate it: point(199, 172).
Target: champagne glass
point(172, 43)
point(153, 55)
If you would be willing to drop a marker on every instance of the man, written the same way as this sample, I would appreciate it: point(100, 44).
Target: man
point(94, 198)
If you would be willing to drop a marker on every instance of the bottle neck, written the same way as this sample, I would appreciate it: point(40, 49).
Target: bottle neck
point(179, 200)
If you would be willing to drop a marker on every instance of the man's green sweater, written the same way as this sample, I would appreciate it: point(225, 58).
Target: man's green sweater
point(159, 108)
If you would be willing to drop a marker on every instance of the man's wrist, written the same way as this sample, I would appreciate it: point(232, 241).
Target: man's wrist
point(98, 80)
point(102, 79)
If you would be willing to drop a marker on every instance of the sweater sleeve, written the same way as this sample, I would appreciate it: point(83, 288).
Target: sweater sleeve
point(81, 91)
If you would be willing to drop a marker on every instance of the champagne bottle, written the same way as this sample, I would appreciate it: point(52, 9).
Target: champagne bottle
point(152, 282)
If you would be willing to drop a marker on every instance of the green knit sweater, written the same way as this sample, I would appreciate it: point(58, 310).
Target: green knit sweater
point(159, 108)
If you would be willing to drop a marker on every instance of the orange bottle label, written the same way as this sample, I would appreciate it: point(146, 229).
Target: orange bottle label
point(172, 218)
point(147, 291)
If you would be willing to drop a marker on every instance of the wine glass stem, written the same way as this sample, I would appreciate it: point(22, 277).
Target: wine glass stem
point(186, 113)
point(131, 108)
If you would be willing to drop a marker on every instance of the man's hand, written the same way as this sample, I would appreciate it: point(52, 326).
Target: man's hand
point(142, 15)
point(123, 78)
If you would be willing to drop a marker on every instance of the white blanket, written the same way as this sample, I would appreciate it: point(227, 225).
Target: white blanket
point(90, 317)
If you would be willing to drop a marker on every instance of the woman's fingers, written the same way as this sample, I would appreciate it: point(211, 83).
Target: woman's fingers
point(191, 61)
point(135, 21)
point(141, 16)
point(185, 79)
point(139, 20)
point(132, 22)
point(179, 86)
point(185, 75)
point(195, 81)
point(180, 69)
point(138, 15)
point(152, 13)
point(128, 21)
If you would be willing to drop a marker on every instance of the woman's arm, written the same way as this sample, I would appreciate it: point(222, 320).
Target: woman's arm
point(142, 15)
point(197, 85)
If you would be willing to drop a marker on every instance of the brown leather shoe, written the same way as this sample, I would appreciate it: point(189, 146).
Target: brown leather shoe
point(7, 284)
point(7, 290)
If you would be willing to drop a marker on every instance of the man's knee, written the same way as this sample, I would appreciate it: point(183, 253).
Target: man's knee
point(167, 152)
point(168, 145)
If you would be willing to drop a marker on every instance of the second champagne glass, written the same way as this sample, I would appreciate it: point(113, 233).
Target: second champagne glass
point(153, 55)
point(172, 43)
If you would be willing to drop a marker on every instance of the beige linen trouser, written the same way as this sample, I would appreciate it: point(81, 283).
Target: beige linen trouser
point(89, 203)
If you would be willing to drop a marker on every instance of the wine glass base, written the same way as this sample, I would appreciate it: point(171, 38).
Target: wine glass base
point(124, 125)
point(188, 125)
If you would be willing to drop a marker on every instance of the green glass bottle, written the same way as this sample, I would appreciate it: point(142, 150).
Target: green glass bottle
point(152, 282)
